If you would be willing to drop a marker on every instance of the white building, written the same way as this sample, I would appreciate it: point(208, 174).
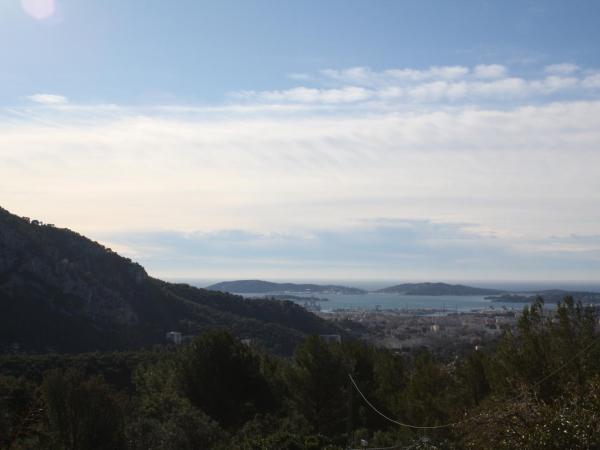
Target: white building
point(174, 337)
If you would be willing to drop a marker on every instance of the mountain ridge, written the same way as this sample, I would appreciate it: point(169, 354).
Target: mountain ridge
point(60, 291)
point(426, 288)
point(268, 287)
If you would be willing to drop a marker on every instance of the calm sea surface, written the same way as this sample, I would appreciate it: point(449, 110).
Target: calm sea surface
point(438, 302)
point(449, 303)
point(392, 301)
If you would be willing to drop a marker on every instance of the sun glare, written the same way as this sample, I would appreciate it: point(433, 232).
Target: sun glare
point(39, 9)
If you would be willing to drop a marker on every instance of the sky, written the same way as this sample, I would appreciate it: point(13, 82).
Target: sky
point(405, 140)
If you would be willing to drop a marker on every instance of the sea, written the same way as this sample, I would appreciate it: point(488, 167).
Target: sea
point(385, 302)
point(434, 303)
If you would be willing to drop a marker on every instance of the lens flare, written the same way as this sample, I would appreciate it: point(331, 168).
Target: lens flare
point(39, 9)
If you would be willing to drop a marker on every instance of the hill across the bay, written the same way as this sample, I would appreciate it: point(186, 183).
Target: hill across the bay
point(437, 289)
point(267, 287)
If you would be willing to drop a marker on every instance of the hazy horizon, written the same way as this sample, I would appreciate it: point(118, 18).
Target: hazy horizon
point(372, 284)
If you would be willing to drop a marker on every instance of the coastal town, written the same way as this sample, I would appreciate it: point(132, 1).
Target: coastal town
point(439, 331)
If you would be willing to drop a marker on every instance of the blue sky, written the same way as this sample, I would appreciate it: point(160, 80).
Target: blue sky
point(197, 51)
point(339, 139)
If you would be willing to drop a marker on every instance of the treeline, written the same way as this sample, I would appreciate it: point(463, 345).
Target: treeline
point(540, 388)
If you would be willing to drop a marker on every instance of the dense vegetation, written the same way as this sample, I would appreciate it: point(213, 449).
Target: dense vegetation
point(61, 292)
point(539, 388)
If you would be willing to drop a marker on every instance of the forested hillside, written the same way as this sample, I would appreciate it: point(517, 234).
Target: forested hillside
point(539, 389)
point(62, 292)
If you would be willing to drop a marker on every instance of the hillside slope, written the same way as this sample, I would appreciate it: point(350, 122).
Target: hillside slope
point(437, 289)
point(60, 291)
point(268, 287)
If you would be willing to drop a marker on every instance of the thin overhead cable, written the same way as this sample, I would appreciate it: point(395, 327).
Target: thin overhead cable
point(452, 424)
point(402, 424)
point(563, 366)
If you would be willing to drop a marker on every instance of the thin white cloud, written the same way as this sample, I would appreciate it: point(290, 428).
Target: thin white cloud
point(425, 92)
point(507, 170)
point(490, 71)
point(437, 84)
point(366, 76)
point(447, 72)
point(554, 83)
point(592, 81)
point(562, 69)
point(349, 94)
point(513, 87)
point(354, 75)
point(48, 99)
point(435, 149)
